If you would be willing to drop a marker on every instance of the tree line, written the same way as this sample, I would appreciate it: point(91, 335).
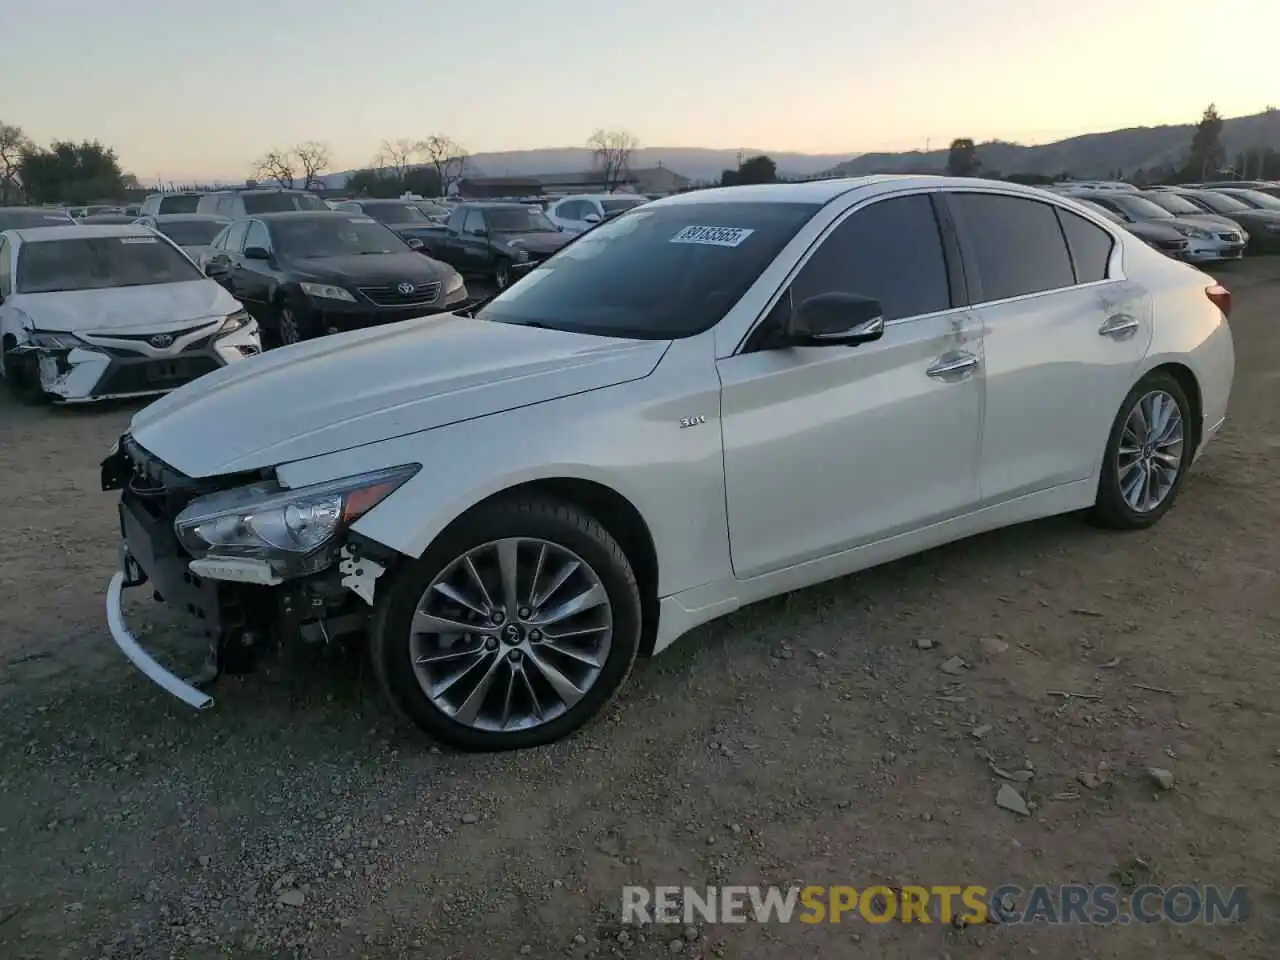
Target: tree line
point(62, 172)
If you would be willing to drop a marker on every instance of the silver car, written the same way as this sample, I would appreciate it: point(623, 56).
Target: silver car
point(1207, 242)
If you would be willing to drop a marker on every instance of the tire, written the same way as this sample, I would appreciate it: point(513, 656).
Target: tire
point(502, 274)
point(23, 381)
point(290, 323)
point(1112, 508)
point(394, 647)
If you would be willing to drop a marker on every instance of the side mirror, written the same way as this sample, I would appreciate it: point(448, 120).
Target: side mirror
point(836, 319)
point(215, 268)
point(414, 243)
point(256, 253)
point(478, 232)
point(591, 218)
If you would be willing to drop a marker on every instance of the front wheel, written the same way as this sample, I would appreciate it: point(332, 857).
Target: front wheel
point(502, 274)
point(1148, 453)
point(21, 375)
point(516, 627)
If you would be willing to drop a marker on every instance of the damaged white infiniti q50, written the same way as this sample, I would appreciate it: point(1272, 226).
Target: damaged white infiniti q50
point(105, 312)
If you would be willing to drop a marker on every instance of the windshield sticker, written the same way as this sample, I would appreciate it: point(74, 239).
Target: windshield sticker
point(360, 219)
point(713, 236)
point(138, 240)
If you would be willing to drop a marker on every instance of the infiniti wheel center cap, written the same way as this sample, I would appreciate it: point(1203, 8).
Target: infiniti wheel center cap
point(512, 634)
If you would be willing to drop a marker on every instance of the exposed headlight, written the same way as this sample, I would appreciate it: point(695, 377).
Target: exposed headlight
point(1194, 232)
point(290, 529)
point(233, 322)
point(326, 291)
point(53, 341)
point(453, 284)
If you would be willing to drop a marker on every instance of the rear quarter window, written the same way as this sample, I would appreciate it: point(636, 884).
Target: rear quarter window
point(1090, 247)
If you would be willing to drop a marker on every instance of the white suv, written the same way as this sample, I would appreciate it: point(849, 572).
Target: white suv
point(584, 211)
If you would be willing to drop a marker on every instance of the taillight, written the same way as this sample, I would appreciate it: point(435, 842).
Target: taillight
point(1220, 297)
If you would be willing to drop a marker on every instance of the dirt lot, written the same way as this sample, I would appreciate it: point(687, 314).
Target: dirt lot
point(808, 740)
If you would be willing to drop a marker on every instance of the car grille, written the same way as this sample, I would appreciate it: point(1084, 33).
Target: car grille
point(391, 296)
point(195, 346)
point(154, 375)
point(1174, 245)
point(1229, 237)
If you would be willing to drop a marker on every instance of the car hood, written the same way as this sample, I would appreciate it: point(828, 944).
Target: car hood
point(372, 269)
point(540, 242)
point(1213, 221)
point(126, 308)
point(416, 228)
point(344, 390)
point(1258, 217)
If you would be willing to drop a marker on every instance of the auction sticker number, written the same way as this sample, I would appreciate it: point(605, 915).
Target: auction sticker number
point(713, 236)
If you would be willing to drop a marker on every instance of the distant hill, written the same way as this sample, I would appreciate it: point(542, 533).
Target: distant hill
point(1091, 155)
point(696, 163)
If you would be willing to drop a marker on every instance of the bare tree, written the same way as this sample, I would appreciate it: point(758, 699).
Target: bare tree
point(313, 158)
point(278, 165)
point(13, 141)
point(396, 156)
point(611, 153)
point(448, 157)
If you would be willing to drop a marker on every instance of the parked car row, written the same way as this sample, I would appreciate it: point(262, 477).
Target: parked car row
point(1198, 223)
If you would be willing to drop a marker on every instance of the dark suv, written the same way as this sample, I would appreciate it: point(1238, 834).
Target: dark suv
point(237, 204)
point(166, 203)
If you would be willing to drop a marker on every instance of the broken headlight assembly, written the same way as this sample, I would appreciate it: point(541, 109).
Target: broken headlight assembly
point(295, 531)
point(47, 340)
point(235, 321)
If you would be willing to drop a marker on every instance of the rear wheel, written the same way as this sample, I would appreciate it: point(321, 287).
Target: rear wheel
point(515, 628)
point(1151, 445)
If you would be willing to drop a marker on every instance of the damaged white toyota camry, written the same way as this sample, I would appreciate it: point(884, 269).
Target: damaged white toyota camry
point(104, 312)
point(709, 400)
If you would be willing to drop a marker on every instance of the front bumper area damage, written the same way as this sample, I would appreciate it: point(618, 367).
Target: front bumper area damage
point(89, 367)
point(239, 611)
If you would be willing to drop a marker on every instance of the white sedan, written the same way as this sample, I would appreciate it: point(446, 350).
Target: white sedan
point(103, 312)
point(716, 398)
point(581, 212)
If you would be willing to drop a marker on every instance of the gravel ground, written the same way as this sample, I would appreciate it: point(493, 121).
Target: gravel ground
point(814, 738)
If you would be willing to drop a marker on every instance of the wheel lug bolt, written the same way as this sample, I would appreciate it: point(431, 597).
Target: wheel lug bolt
point(535, 636)
point(495, 618)
point(524, 613)
point(514, 655)
point(491, 643)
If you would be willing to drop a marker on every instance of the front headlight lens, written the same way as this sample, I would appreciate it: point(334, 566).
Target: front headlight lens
point(282, 526)
point(1193, 232)
point(233, 322)
point(453, 284)
point(53, 341)
point(326, 291)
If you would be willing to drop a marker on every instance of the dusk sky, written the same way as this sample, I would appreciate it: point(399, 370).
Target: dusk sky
point(200, 90)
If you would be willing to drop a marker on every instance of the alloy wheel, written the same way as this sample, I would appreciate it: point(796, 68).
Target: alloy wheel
point(1149, 457)
point(503, 277)
point(511, 635)
point(288, 324)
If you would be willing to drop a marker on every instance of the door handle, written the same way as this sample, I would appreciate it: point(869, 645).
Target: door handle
point(1120, 326)
point(957, 365)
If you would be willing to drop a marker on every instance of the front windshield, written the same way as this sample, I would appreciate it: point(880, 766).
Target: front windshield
point(1109, 214)
point(655, 273)
point(22, 219)
point(96, 263)
point(1178, 206)
point(191, 233)
point(1221, 203)
point(1139, 208)
point(396, 213)
point(255, 203)
point(518, 220)
point(618, 204)
point(433, 209)
point(1263, 201)
point(336, 236)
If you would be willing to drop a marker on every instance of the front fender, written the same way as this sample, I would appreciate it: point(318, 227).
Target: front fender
point(626, 437)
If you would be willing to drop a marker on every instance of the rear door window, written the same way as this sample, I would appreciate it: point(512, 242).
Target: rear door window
point(1015, 243)
point(234, 242)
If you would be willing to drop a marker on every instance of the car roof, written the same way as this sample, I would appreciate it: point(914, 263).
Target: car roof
point(46, 211)
point(824, 191)
point(175, 217)
point(275, 215)
point(81, 231)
